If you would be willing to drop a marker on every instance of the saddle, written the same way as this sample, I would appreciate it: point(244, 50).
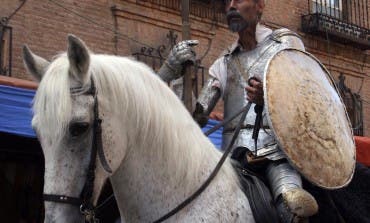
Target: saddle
point(258, 194)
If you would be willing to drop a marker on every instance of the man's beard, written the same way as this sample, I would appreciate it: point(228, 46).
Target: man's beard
point(235, 21)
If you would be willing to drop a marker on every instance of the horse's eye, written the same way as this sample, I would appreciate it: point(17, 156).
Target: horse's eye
point(78, 128)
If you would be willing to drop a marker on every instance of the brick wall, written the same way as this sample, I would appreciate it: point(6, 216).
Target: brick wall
point(44, 25)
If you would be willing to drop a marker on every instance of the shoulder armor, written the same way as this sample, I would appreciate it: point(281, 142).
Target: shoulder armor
point(278, 34)
point(288, 38)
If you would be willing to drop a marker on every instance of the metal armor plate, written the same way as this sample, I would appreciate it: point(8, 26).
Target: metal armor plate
point(309, 119)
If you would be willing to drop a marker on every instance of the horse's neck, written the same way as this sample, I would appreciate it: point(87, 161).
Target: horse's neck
point(146, 190)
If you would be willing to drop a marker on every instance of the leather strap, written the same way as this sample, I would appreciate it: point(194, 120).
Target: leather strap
point(62, 199)
point(257, 125)
point(98, 142)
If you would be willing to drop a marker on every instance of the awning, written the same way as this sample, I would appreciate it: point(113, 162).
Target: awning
point(15, 111)
point(363, 150)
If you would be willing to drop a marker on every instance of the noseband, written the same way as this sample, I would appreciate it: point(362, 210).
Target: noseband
point(85, 200)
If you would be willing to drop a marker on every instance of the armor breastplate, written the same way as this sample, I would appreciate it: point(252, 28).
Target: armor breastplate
point(241, 66)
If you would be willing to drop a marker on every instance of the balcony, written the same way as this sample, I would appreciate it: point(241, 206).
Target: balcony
point(209, 9)
point(343, 21)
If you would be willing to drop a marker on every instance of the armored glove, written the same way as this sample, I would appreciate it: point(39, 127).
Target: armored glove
point(173, 65)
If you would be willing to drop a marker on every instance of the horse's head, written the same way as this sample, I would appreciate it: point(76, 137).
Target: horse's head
point(147, 134)
point(65, 122)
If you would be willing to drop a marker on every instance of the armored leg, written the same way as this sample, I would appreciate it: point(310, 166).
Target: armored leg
point(293, 202)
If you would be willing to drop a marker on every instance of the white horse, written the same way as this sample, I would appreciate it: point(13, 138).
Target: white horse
point(158, 154)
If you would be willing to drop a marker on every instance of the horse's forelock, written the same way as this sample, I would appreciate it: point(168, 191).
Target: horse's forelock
point(52, 102)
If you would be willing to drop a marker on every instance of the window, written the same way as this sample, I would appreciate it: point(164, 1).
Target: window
point(332, 8)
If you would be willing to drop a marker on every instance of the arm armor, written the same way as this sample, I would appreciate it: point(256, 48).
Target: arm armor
point(206, 102)
point(167, 73)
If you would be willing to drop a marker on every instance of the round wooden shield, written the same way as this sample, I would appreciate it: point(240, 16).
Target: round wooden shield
point(309, 119)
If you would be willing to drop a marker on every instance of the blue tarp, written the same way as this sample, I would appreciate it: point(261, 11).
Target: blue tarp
point(15, 111)
point(16, 114)
point(215, 137)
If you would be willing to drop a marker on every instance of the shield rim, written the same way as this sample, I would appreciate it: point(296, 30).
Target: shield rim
point(332, 82)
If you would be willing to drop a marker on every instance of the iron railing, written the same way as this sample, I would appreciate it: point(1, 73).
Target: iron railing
point(354, 106)
point(5, 48)
point(346, 21)
point(210, 9)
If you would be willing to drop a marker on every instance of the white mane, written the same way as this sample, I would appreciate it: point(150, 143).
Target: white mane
point(153, 116)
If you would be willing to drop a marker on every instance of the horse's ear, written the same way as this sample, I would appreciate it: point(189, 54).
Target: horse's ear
point(34, 64)
point(79, 59)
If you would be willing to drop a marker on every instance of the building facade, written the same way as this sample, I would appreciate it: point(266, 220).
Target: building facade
point(335, 31)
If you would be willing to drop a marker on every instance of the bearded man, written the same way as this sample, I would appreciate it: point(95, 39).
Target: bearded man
point(229, 76)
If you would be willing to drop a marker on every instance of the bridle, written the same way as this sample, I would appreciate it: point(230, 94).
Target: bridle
point(85, 200)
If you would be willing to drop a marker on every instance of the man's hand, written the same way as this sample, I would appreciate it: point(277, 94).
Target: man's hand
point(180, 53)
point(255, 91)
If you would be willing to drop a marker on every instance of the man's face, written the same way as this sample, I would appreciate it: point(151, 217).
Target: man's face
point(241, 14)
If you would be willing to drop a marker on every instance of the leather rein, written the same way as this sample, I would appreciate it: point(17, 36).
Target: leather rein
point(85, 200)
